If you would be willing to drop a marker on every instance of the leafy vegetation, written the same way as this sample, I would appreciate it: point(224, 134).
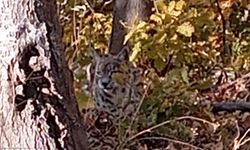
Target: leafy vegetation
point(181, 48)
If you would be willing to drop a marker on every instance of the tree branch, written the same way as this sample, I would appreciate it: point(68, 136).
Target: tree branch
point(223, 23)
point(231, 106)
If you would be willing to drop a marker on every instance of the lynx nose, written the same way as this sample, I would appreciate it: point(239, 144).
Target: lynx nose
point(105, 83)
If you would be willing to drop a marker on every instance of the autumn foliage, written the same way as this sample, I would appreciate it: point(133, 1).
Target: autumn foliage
point(186, 49)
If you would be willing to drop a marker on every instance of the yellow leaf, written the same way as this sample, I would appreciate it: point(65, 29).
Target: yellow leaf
point(160, 6)
point(171, 9)
point(144, 35)
point(100, 45)
point(192, 13)
point(98, 15)
point(186, 29)
point(171, 6)
point(175, 13)
point(128, 36)
point(133, 30)
point(136, 50)
point(156, 18)
point(140, 25)
point(179, 5)
point(162, 38)
point(174, 37)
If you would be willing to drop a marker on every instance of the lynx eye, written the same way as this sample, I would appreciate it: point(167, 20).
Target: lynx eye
point(98, 72)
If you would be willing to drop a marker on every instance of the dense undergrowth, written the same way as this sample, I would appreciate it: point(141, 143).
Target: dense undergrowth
point(186, 48)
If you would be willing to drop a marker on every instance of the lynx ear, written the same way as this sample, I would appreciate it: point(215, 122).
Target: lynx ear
point(95, 56)
point(123, 54)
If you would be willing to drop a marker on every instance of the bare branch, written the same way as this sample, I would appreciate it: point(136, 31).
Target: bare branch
point(231, 106)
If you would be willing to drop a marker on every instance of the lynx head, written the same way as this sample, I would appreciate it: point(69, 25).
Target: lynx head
point(113, 82)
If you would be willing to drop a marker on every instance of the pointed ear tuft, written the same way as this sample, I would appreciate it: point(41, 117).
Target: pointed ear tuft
point(123, 54)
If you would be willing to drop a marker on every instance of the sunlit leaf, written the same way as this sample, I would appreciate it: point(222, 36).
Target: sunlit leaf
point(192, 13)
point(171, 6)
point(175, 13)
point(159, 35)
point(136, 50)
point(100, 45)
point(162, 38)
point(98, 15)
point(133, 30)
point(180, 4)
point(128, 36)
point(174, 37)
point(157, 18)
point(186, 29)
point(236, 47)
point(143, 35)
point(161, 6)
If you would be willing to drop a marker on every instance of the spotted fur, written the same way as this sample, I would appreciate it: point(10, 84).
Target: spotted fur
point(115, 84)
point(101, 131)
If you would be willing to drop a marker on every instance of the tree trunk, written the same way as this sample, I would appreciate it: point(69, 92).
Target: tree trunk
point(126, 11)
point(38, 109)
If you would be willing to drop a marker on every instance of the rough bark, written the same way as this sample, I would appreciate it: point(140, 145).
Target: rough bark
point(38, 109)
point(126, 11)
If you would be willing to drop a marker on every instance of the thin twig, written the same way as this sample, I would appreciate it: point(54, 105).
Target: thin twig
point(106, 3)
point(238, 133)
point(86, 2)
point(140, 104)
point(172, 140)
point(237, 143)
point(137, 111)
point(246, 140)
point(166, 68)
point(215, 126)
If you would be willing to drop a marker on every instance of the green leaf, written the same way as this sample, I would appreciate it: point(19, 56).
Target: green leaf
point(203, 85)
point(159, 64)
point(184, 75)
